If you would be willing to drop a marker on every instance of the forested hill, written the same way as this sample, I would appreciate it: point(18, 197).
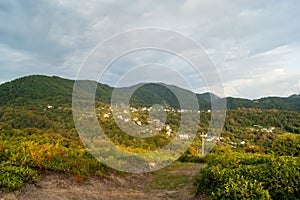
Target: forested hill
point(42, 90)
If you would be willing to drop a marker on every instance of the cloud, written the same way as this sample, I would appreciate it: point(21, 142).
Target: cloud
point(297, 87)
point(255, 44)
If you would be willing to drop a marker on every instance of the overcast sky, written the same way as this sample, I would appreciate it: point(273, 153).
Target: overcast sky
point(255, 44)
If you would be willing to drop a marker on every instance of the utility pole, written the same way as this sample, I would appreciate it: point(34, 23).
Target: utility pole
point(203, 136)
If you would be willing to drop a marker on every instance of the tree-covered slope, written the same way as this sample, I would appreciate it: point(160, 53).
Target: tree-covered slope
point(289, 103)
point(43, 90)
point(35, 88)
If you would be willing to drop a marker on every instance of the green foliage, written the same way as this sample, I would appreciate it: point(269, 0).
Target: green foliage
point(14, 177)
point(250, 176)
point(240, 188)
point(38, 88)
point(291, 103)
point(287, 145)
point(255, 121)
point(23, 153)
point(38, 91)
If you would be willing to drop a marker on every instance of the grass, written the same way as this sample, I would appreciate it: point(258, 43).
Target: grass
point(174, 176)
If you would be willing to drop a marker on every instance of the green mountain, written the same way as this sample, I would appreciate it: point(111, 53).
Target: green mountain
point(41, 90)
point(167, 95)
point(291, 103)
point(44, 90)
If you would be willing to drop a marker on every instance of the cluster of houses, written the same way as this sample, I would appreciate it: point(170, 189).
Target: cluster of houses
point(122, 114)
point(52, 107)
point(133, 109)
point(220, 139)
point(263, 129)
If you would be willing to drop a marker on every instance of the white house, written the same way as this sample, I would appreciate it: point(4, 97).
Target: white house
point(184, 136)
point(49, 106)
point(135, 119)
point(126, 120)
point(168, 128)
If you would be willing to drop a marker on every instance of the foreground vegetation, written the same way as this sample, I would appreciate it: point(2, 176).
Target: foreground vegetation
point(34, 140)
point(239, 175)
point(24, 154)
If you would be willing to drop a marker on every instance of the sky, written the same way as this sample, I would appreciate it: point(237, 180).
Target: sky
point(254, 44)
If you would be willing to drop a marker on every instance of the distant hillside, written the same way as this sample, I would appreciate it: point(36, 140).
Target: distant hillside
point(291, 103)
point(160, 93)
point(35, 88)
point(42, 90)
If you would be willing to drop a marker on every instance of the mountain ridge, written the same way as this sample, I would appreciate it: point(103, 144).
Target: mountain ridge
point(54, 89)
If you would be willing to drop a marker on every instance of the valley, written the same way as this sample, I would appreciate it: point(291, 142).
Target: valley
point(42, 156)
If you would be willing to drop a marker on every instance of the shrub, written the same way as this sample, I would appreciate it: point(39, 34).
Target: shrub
point(287, 145)
point(24, 152)
point(250, 176)
point(240, 188)
point(14, 177)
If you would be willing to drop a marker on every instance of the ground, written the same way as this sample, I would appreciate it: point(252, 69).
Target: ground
point(173, 182)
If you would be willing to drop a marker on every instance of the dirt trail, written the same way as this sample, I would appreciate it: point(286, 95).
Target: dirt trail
point(173, 182)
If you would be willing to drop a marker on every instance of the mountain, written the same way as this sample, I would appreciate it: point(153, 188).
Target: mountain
point(41, 90)
point(167, 95)
point(288, 103)
point(291, 103)
point(44, 90)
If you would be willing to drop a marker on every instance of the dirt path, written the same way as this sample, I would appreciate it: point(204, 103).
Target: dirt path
point(173, 182)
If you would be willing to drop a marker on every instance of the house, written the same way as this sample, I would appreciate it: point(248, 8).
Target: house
point(271, 129)
point(135, 119)
point(168, 128)
point(152, 164)
point(184, 136)
point(133, 109)
point(156, 120)
point(209, 139)
point(120, 117)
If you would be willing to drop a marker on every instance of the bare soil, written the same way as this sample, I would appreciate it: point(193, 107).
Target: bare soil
point(173, 182)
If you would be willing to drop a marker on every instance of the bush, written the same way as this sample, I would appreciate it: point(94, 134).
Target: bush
point(287, 145)
point(14, 177)
point(24, 152)
point(250, 176)
point(240, 188)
